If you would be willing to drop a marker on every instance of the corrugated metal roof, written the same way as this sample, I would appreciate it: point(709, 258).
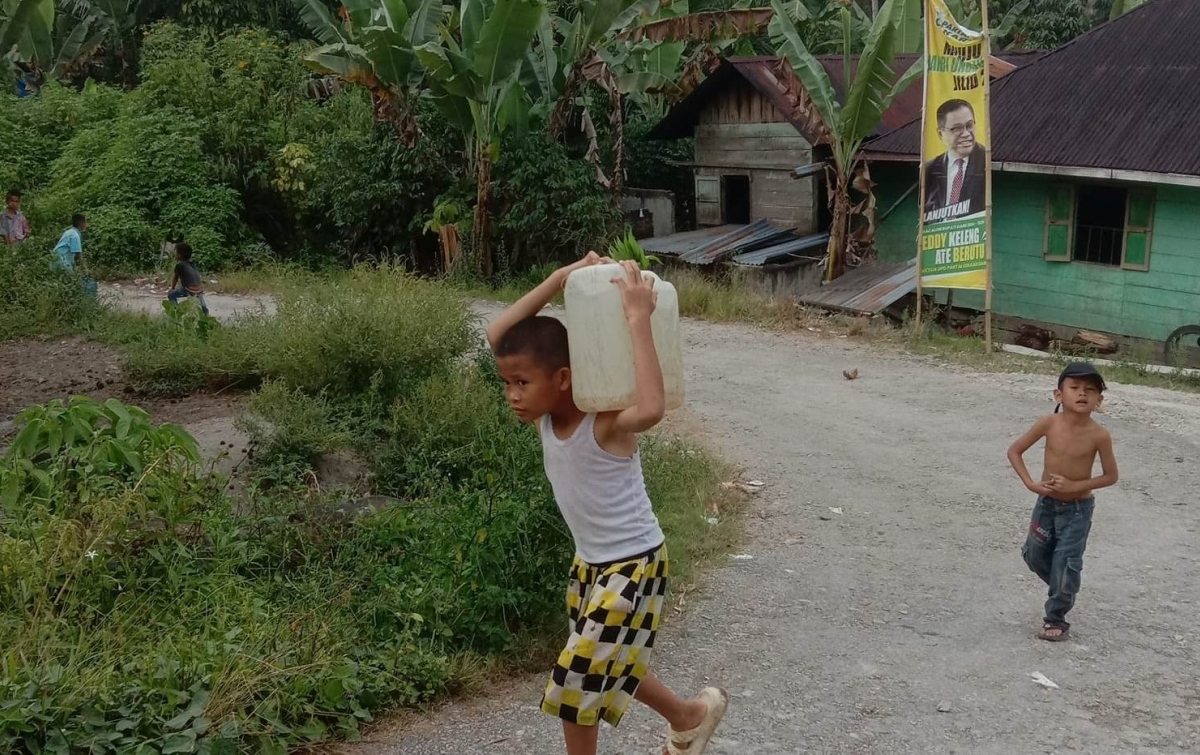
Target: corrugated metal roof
point(741, 239)
point(1123, 96)
point(908, 105)
point(867, 290)
point(774, 78)
point(786, 249)
point(710, 245)
point(678, 243)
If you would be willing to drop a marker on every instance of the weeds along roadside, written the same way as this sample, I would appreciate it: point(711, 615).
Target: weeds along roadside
point(146, 611)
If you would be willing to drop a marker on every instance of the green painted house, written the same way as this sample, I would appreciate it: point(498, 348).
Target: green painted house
point(1095, 181)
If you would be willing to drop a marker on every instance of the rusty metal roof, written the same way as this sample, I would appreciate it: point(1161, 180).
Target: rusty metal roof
point(907, 106)
point(774, 78)
point(677, 243)
point(791, 248)
point(867, 290)
point(1123, 96)
point(710, 245)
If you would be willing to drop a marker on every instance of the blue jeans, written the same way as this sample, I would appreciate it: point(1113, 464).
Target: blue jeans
point(1058, 534)
point(183, 293)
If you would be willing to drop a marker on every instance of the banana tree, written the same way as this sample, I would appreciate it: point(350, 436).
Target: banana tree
point(848, 123)
point(26, 30)
point(373, 46)
point(970, 14)
point(473, 74)
point(1121, 7)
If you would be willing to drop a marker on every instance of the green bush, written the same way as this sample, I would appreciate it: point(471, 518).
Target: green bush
point(379, 331)
point(144, 178)
point(35, 130)
point(39, 299)
point(290, 429)
point(549, 206)
point(120, 241)
point(139, 615)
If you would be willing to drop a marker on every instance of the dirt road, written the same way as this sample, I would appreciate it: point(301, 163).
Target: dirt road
point(905, 623)
point(845, 633)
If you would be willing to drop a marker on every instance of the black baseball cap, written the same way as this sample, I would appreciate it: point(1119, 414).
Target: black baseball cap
point(1083, 371)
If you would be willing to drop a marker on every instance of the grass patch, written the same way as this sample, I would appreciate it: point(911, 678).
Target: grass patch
point(38, 299)
point(142, 610)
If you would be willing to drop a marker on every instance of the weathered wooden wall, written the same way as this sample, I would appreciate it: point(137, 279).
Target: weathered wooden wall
point(742, 133)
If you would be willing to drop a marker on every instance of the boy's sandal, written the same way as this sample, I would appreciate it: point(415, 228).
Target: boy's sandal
point(1063, 633)
point(695, 741)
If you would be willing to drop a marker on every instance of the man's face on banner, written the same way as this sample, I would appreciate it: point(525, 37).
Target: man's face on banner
point(958, 132)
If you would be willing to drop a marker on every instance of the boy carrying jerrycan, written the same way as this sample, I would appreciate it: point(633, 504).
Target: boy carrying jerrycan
point(589, 426)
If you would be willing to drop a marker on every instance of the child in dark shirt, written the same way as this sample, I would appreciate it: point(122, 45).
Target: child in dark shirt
point(186, 281)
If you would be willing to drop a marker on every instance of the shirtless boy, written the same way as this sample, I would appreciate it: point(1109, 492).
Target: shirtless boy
point(1062, 518)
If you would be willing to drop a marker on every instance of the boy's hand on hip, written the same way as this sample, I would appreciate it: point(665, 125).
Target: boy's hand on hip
point(637, 292)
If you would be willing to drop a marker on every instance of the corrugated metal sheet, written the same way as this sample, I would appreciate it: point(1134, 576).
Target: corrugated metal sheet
point(867, 290)
point(741, 239)
point(786, 249)
point(1124, 96)
point(678, 243)
point(710, 245)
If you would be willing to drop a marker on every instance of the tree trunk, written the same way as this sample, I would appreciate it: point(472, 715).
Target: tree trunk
point(481, 231)
point(838, 228)
point(562, 108)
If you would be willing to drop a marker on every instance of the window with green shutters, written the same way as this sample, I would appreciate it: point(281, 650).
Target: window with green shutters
point(1060, 223)
point(1101, 224)
point(1139, 226)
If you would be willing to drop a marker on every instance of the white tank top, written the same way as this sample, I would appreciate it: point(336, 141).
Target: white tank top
point(602, 497)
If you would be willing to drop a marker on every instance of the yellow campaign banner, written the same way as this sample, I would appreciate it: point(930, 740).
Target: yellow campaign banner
point(954, 155)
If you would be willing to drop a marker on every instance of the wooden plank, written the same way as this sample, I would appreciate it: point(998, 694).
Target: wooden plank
point(740, 159)
point(724, 130)
point(781, 151)
point(735, 141)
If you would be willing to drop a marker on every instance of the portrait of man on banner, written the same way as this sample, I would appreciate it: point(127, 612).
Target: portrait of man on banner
point(957, 178)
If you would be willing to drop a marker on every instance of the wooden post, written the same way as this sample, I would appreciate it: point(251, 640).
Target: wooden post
point(921, 162)
point(987, 108)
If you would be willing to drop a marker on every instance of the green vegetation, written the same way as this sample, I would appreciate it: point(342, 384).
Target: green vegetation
point(38, 298)
point(145, 611)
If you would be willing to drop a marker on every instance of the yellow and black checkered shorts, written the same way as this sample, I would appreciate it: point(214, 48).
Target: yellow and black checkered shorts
point(614, 611)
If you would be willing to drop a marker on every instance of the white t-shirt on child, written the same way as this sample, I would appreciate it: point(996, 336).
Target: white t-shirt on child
point(601, 496)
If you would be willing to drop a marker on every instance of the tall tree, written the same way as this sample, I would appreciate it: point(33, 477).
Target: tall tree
point(844, 125)
point(373, 46)
point(473, 71)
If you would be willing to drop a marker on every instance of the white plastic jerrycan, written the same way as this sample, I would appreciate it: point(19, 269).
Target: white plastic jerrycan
point(601, 345)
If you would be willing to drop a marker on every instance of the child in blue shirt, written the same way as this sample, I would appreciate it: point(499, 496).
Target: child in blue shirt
point(70, 244)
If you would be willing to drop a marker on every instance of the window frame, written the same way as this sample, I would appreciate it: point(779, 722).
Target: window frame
point(1131, 191)
point(1052, 221)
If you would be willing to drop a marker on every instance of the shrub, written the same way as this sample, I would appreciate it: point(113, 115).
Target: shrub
point(550, 207)
point(290, 429)
point(494, 545)
point(39, 299)
point(34, 130)
point(120, 241)
point(144, 177)
point(140, 615)
point(379, 331)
